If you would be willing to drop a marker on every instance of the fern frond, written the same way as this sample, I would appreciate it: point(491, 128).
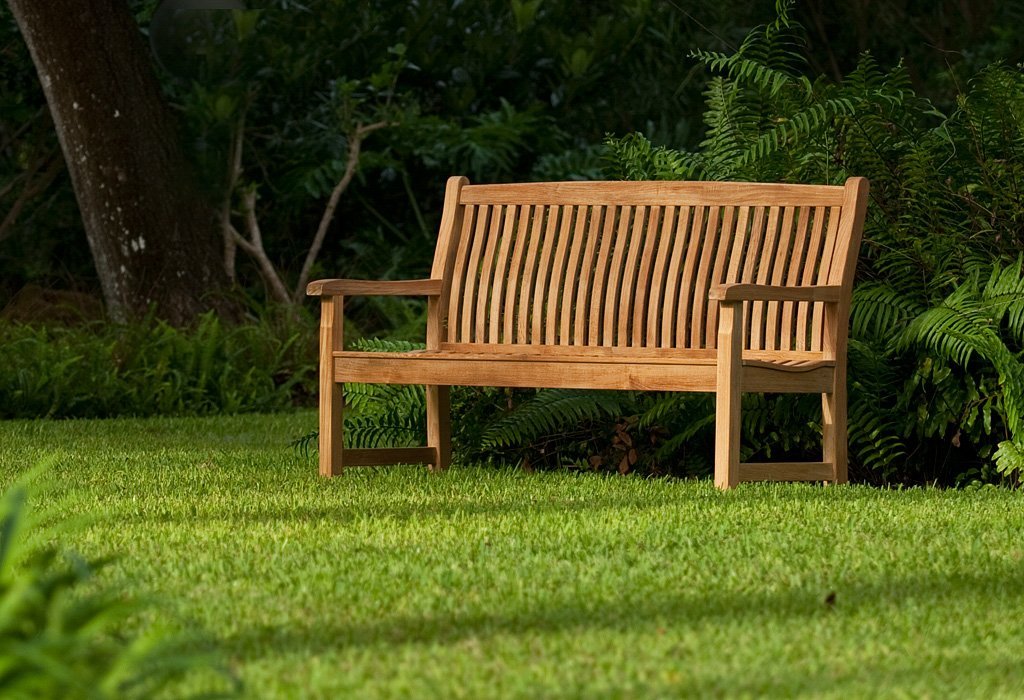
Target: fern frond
point(551, 411)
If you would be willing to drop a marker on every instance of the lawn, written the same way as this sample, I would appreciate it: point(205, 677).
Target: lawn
point(481, 583)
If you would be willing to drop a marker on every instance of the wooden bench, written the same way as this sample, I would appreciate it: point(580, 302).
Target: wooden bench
point(678, 286)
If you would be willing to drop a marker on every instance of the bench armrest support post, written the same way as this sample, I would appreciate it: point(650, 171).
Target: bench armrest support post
point(727, 395)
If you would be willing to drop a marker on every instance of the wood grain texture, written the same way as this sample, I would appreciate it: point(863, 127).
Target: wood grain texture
point(785, 471)
point(766, 292)
point(332, 399)
point(351, 288)
point(651, 193)
point(439, 427)
point(568, 373)
point(458, 274)
point(728, 385)
point(362, 457)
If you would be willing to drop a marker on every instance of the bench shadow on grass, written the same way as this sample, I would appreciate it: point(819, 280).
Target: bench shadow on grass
point(913, 677)
point(1003, 586)
point(402, 511)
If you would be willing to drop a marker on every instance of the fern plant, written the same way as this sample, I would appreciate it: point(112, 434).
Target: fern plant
point(935, 349)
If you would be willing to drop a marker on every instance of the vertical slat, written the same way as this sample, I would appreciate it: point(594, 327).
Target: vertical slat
point(810, 268)
point(568, 291)
point(473, 273)
point(644, 314)
point(688, 281)
point(824, 269)
point(597, 295)
point(529, 271)
point(750, 262)
point(764, 268)
point(457, 298)
point(637, 230)
point(703, 279)
point(486, 275)
point(587, 272)
point(659, 274)
point(796, 261)
point(782, 252)
point(557, 275)
point(673, 278)
point(543, 267)
point(739, 246)
point(501, 275)
point(726, 241)
point(611, 297)
point(515, 272)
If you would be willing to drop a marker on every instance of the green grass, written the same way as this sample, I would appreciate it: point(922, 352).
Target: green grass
point(478, 583)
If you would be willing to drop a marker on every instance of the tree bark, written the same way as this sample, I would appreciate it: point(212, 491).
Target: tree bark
point(154, 238)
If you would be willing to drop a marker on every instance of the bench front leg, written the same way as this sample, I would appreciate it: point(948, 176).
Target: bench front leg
point(332, 398)
point(727, 394)
point(439, 430)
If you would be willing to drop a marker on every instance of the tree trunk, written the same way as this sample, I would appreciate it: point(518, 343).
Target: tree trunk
point(154, 238)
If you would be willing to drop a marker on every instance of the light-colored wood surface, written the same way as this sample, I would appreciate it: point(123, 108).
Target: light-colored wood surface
point(785, 471)
point(765, 292)
point(374, 287)
point(616, 193)
point(538, 371)
point(361, 457)
point(332, 399)
point(439, 426)
point(632, 285)
point(728, 383)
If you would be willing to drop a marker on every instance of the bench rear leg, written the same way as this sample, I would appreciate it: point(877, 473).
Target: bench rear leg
point(833, 429)
point(439, 430)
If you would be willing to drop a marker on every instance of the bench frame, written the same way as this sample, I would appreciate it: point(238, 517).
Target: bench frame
point(727, 370)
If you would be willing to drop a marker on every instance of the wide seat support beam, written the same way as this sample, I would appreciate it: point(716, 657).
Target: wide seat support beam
point(384, 369)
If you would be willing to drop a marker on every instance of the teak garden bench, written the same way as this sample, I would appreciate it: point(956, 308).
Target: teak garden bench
point(678, 286)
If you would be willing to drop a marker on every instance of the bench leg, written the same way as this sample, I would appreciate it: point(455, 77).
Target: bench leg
point(439, 430)
point(833, 428)
point(332, 398)
point(727, 397)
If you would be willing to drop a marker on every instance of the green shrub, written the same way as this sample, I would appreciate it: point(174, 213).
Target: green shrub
point(152, 368)
point(62, 636)
point(936, 323)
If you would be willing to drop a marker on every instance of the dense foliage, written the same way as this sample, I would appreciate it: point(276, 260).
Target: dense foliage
point(937, 389)
point(528, 90)
point(494, 89)
point(938, 314)
point(150, 368)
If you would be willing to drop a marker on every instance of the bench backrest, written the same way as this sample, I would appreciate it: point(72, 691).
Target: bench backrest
point(630, 264)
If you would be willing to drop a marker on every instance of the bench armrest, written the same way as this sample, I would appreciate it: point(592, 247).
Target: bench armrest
point(733, 291)
point(390, 288)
